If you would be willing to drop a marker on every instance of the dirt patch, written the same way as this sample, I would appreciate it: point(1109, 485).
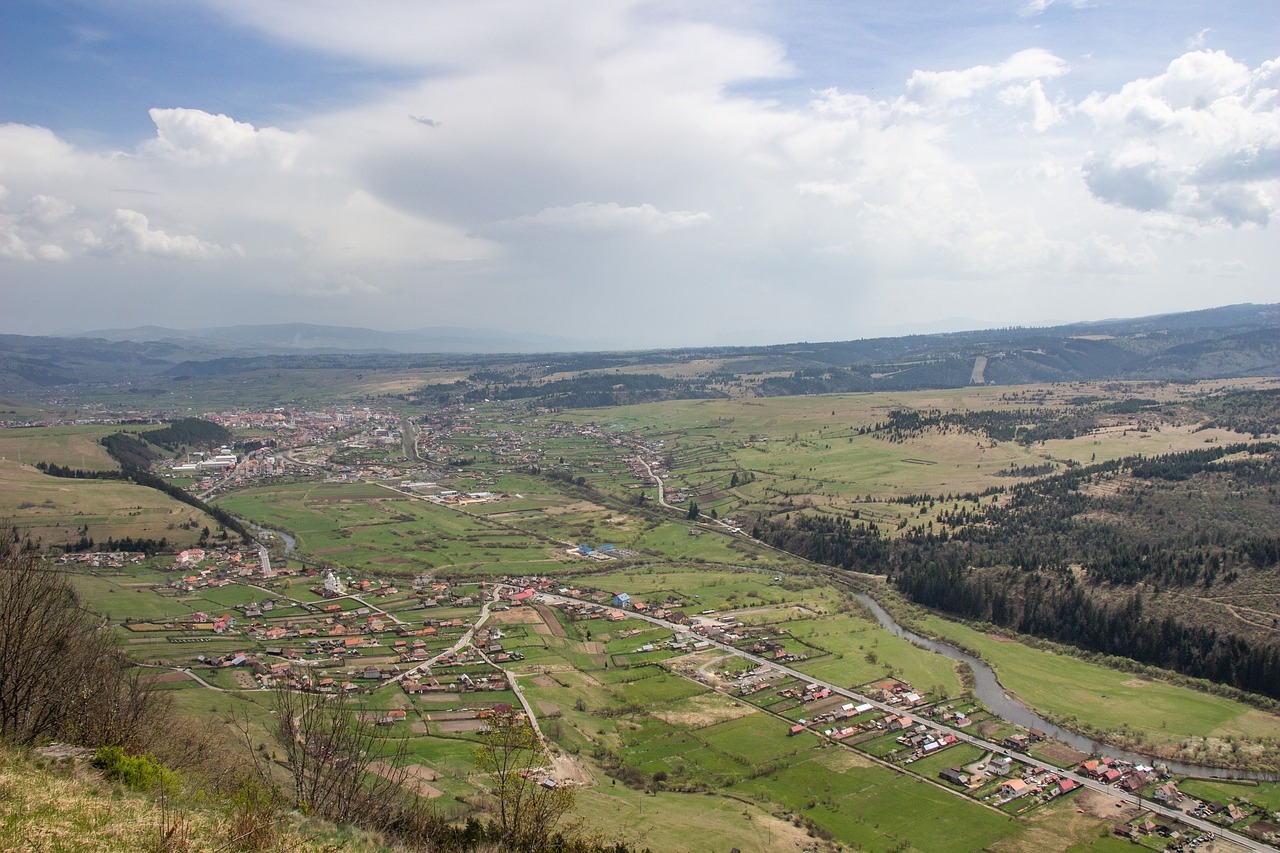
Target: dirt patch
point(593, 648)
point(1062, 754)
point(544, 681)
point(457, 726)
point(987, 728)
point(418, 779)
point(245, 681)
point(549, 619)
point(419, 727)
point(568, 767)
point(700, 711)
point(1137, 682)
point(1100, 805)
point(1000, 639)
point(516, 616)
point(1053, 829)
point(574, 508)
point(547, 709)
point(164, 678)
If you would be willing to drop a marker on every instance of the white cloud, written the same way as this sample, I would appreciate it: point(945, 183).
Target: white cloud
point(1039, 7)
point(133, 231)
point(1198, 40)
point(49, 252)
point(48, 210)
point(1032, 96)
point(611, 216)
point(195, 136)
point(523, 156)
point(938, 88)
point(1200, 141)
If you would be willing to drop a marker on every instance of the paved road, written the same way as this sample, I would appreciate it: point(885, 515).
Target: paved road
point(662, 495)
point(463, 641)
point(1203, 825)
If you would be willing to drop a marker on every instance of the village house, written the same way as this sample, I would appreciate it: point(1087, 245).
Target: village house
point(1013, 789)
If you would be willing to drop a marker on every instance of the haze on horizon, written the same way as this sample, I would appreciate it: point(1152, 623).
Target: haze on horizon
point(641, 173)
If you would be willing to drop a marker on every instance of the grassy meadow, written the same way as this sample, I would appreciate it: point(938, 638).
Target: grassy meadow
point(56, 510)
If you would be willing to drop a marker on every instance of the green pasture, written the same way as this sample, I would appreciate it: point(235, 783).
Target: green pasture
point(662, 821)
point(866, 806)
point(54, 510)
point(72, 446)
point(956, 755)
point(367, 528)
point(756, 738)
point(1265, 795)
point(1071, 689)
point(852, 640)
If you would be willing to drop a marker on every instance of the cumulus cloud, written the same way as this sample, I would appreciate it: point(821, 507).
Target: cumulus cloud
point(1141, 185)
point(1044, 114)
point(1200, 141)
point(195, 136)
point(937, 88)
point(132, 231)
point(551, 147)
point(48, 210)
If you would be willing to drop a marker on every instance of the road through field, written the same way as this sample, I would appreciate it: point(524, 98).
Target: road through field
point(1084, 781)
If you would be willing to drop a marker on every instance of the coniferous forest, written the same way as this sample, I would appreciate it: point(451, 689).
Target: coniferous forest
point(1111, 558)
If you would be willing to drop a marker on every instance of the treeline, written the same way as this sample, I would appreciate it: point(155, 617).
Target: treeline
point(128, 450)
point(596, 390)
point(190, 432)
point(1025, 426)
point(1058, 609)
point(130, 544)
point(55, 470)
point(1009, 561)
point(135, 458)
point(1254, 412)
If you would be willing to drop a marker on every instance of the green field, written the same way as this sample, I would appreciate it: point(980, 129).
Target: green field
point(369, 528)
point(1068, 688)
point(72, 446)
point(639, 725)
point(56, 510)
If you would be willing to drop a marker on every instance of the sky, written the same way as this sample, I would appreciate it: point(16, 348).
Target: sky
point(635, 174)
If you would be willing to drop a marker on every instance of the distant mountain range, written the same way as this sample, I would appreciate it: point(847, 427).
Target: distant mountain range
point(1236, 340)
point(307, 337)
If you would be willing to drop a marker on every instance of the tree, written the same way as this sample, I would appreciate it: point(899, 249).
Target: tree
point(693, 510)
point(528, 812)
point(331, 751)
point(733, 481)
point(60, 675)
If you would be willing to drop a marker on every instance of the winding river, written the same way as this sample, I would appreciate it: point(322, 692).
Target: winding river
point(988, 689)
point(290, 543)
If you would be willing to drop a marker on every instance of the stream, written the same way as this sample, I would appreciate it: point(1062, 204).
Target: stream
point(988, 689)
point(290, 543)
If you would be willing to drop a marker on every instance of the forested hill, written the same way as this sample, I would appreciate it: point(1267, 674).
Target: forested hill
point(1241, 340)
point(1148, 558)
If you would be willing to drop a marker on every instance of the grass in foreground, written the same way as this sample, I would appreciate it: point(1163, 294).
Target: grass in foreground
point(68, 807)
